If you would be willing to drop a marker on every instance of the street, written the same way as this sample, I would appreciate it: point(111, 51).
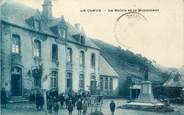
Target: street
point(28, 109)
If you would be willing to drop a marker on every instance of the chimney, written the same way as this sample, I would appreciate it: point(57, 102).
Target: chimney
point(47, 9)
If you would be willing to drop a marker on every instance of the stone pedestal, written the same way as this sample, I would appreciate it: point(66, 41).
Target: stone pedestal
point(146, 94)
point(146, 101)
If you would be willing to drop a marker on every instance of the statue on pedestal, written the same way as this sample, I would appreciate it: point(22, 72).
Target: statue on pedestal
point(146, 71)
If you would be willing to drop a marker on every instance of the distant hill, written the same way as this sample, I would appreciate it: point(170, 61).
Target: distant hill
point(181, 70)
point(129, 64)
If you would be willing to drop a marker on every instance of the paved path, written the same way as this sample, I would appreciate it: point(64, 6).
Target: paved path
point(29, 110)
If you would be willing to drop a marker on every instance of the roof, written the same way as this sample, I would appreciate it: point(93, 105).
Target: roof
point(105, 69)
point(17, 14)
point(72, 31)
point(175, 80)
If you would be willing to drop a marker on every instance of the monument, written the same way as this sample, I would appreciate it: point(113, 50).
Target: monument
point(146, 94)
point(145, 100)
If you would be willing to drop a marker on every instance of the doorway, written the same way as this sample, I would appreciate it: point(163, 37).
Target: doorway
point(93, 85)
point(16, 82)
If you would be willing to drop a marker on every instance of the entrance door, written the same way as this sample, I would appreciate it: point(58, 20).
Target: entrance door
point(93, 86)
point(135, 93)
point(16, 85)
point(16, 82)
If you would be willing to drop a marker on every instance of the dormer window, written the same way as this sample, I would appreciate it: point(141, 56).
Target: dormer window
point(37, 25)
point(62, 33)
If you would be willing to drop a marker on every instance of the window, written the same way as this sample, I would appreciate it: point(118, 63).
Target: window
point(93, 60)
point(82, 58)
point(69, 80)
point(16, 44)
point(69, 55)
point(81, 81)
point(54, 52)
point(82, 39)
point(111, 84)
point(101, 83)
point(106, 83)
point(37, 25)
point(37, 48)
point(54, 79)
point(62, 33)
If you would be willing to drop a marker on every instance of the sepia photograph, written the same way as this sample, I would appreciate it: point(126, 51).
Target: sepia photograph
point(91, 57)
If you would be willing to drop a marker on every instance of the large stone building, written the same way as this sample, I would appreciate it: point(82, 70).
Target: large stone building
point(40, 51)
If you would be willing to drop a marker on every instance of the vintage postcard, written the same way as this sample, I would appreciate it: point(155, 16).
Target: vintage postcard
point(92, 57)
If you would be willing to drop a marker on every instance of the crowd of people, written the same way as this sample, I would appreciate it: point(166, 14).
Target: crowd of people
point(55, 101)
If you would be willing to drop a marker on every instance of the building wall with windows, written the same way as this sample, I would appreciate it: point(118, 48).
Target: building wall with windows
point(81, 73)
point(27, 57)
point(44, 52)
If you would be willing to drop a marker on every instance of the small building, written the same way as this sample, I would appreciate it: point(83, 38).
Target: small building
point(174, 85)
point(108, 78)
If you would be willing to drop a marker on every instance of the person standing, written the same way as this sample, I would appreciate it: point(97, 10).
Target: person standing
point(79, 106)
point(89, 100)
point(112, 107)
point(70, 107)
point(74, 99)
point(84, 107)
point(61, 99)
point(37, 100)
point(3, 97)
point(49, 106)
point(56, 108)
point(41, 98)
point(67, 101)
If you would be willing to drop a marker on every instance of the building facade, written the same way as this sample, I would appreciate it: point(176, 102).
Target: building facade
point(108, 78)
point(40, 51)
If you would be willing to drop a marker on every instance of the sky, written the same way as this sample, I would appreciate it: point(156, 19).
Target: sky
point(159, 38)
